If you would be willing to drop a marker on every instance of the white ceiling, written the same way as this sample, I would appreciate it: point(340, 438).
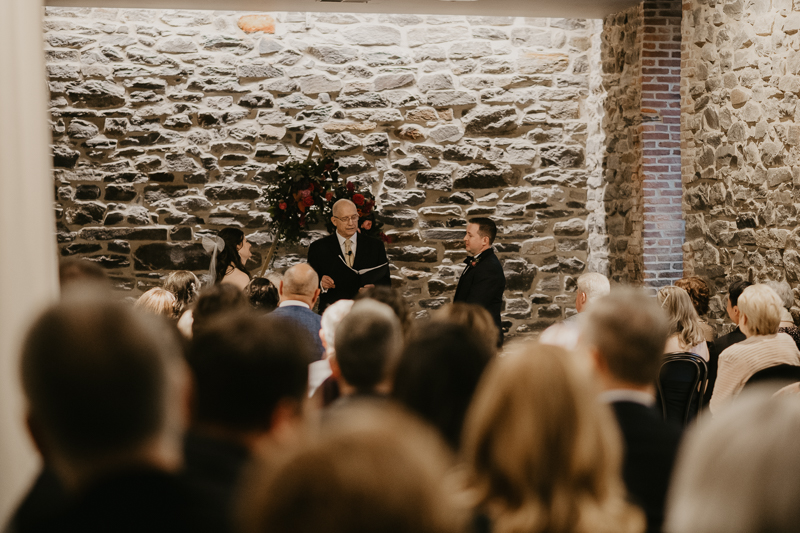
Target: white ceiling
point(518, 8)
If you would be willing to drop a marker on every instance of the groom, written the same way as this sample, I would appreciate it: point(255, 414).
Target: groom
point(347, 261)
point(482, 282)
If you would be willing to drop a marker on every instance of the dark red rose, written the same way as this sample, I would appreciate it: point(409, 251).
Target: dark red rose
point(308, 200)
point(282, 205)
point(311, 187)
point(358, 199)
point(329, 195)
point(351, 186)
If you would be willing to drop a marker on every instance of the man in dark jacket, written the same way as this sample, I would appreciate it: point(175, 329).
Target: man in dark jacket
point(626, 332)
point(482, 282)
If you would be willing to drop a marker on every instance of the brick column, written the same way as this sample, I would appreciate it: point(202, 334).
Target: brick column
point(663, 232)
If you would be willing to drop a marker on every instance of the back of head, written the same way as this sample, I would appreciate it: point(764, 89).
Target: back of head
point(330, 320)
point(80, 271)
point(214, 300)
point(698, 291)
point(486, 227)
point(762, 307)
point(158, 301)
point(301, 280)
point(629, 330)
point(784, 292)
point(97, 377)
point(373, 470)
point(438, 373)
point(244, 365)
point(683, 318)
point(735, 471)
point(368, 342)
point(594, 285)
point(735, 289)
point(185, 286)
point(262, 294)
point(229, 255)
point(543, 452)
point(473, 317)
point(392, 298)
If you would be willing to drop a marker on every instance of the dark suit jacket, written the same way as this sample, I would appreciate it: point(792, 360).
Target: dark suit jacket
point(714, 349)
point(307, 319)
point(483, 284)
point(650, 448)
point(323, 256)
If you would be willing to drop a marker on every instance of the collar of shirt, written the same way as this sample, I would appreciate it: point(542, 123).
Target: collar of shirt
point(628, 395)
point(352, 240)
point(294, 303)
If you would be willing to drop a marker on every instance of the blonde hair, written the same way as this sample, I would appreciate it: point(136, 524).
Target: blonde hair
point(473, 317)
point(594, 285)
point(762, 307)
point(683, 318)
point(158, 301)
point(544, 454)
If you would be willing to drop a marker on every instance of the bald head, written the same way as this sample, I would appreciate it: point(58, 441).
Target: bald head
point(343, 205)
point(300, 282)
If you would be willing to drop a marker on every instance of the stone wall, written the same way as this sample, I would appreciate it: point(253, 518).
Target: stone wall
point(741, 138)
point(168, 124)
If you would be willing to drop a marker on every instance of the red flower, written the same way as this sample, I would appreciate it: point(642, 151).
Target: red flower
point(305, 193)
point(311, 187)
point(329, 195)
point(367, 225)
point(351, 186)
point(308, 200)
point(358, 199)
point(282, 206)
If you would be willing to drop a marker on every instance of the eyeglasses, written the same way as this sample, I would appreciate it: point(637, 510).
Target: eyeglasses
point(353, 218)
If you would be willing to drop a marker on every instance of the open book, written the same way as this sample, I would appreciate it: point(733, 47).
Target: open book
point(369, 276)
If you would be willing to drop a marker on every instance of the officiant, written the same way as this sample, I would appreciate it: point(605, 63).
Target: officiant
point(347, 260)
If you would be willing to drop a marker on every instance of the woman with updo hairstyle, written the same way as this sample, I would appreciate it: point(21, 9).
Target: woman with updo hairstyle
point(686, 333)
point(262, 295)
point(185, 286)
point(232, 258)
point(543, 454)
point(701, 296)
point(158, 302)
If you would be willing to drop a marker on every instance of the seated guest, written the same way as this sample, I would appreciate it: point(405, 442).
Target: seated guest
point(82, 271)
point(701, 296)
point(439, 371)
point(250, 375)
point(625, 333)
point(106, 388)
point(299, 290)
point(784, 292)
point(736, 471)
point(368, 343)
point(591, 286)
point(765, 347)
point(473, 317)
point(542, 453)
point(185, 286)
point(157, 301)
point(721, 343)
point(372, 470)
point(212, 301)
point(685, 330)
point(320, 374)
point(262, 295)
point(392, 298)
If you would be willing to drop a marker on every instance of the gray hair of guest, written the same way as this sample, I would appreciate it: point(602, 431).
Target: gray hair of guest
point(368, 344)
point(735, 471)
point(594, 285)
point(784, 292)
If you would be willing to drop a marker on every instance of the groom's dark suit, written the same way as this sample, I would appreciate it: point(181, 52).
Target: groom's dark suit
point(326, 257)
point(483, 284)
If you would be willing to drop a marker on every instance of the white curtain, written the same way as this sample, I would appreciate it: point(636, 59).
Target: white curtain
point(28, 258)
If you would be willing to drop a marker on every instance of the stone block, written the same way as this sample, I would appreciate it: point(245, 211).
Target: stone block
point(435, 180)
point(572, 227)
point(413, 254)
point(491, 120)
point(171, 256)
point(436, 82)
point(257, 23)
point(373, 35)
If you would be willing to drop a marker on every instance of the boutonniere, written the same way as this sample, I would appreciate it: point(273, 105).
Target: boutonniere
point(472, 261)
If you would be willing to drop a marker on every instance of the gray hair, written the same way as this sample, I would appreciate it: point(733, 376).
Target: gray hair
point(784, 292)
point(594, 285)
point(333, 314)
point(734, 471)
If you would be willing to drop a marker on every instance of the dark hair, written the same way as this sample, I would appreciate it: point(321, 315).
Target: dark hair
point(392, 298)
point(233, 237)
point(735, 290)
point(486, 227)
point(243, 365)
point(185, 286)
point(214, 300)
point(80, 270)
point(95, 375)
point(262, 294)
point(698, 292)
point(367, 343)
point(438, 373)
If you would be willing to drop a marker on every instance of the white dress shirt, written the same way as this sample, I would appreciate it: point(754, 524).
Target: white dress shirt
point(293, 303)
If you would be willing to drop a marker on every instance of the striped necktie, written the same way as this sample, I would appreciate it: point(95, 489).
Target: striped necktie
point(348, 252)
